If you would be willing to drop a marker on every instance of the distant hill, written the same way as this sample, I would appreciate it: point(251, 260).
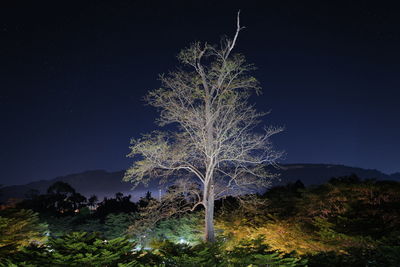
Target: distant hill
point(103, 183)
point(311, 174)
point(98, 182)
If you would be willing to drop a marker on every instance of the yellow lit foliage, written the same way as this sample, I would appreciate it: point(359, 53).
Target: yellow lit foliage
point(19, 229)
point(279, 235)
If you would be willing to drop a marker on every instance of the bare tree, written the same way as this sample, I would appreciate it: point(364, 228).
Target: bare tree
point(216, 139)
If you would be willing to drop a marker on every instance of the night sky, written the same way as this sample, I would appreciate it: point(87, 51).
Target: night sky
point(73, 74)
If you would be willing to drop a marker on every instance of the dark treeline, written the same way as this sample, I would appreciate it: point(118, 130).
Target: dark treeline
point(63, 200)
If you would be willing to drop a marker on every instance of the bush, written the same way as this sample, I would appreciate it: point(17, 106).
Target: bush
point(19, 228)
point(246, 253)
point(87, 249)
point(184, 229)
point(76, 249)
point(356, 257)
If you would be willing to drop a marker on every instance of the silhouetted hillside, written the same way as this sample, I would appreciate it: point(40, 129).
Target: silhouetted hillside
point(98, 182)
point(311, 174)
point(103, 183)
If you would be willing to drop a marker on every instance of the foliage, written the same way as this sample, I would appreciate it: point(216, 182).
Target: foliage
point(61, 199)
point(328, 225)
point(280, 235)
point(355, 207)
point(184, 255)
point(80, 222)
point(246, 253)
point(255, 252)
point(20, 228)
point(92, 201)
point(119, 204)
point(91, 226)
point(116, 225)
point(344, 214)
point(184, 229)
point(77, 249)
point(358, 257)
point(152, 212)
point(60, 226)
point(283, 199)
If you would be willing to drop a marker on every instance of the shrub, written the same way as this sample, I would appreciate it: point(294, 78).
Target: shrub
point(19, 228)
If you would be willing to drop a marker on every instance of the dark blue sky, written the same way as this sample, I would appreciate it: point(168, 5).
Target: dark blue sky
point(72, 76)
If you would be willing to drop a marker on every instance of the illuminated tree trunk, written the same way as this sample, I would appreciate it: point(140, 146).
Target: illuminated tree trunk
point(209, 216)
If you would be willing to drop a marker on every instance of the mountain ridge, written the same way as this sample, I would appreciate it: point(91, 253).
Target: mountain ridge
point(105, 184)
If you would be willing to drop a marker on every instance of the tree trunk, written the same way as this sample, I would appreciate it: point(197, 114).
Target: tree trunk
point(209, 216)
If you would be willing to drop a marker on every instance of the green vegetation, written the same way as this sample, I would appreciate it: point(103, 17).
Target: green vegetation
point(346, 222)
point(76, 249)
point(19, 228)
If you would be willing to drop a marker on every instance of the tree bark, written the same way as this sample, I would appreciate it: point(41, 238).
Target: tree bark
point(209, 216)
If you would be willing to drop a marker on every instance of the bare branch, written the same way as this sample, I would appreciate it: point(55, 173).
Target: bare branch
point(238, 29)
